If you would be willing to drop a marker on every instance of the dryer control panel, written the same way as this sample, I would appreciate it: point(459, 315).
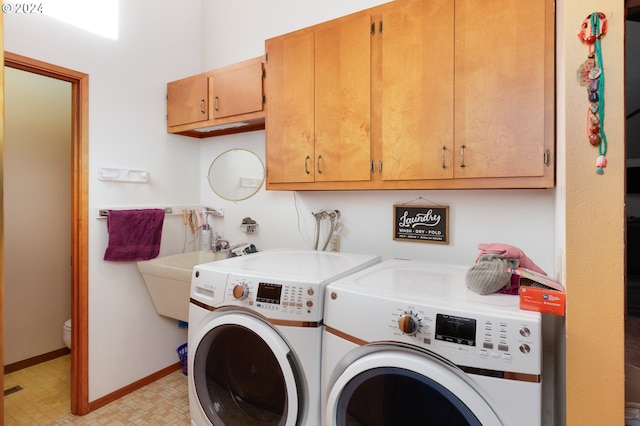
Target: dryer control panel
point(471, 339)
point(471, 335)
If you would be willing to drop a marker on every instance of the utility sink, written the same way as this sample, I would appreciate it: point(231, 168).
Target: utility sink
point(168, 279)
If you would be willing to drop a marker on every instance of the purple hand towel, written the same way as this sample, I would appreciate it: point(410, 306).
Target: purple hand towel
point(134, 234)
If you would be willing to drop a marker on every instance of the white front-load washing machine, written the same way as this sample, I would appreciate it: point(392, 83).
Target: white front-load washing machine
point(255, 334)
point(406, 343)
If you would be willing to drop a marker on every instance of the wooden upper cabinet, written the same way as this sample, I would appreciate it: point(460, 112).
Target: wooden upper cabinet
point(343, 100)
point(439, 94)
point(413, 90)
point(289, 148)
point(188, 100)
point(222, 101)
point(504, 69)
point(318, 103)
point(237, 89)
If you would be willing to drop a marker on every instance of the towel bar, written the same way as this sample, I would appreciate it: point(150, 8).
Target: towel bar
point(103, 213)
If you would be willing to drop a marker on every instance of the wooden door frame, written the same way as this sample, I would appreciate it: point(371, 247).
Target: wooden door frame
point(79, 217)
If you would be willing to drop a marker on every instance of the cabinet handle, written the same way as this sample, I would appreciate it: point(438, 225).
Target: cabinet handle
point(202, 106)
point(306, 164)
point(380, 166)
point(318, 164)
point(373, 167)
point(462, 156)
point(444, 149)
point(216, 101)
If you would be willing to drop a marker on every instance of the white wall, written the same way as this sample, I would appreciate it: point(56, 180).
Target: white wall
point(236, 30)
point(158, 41)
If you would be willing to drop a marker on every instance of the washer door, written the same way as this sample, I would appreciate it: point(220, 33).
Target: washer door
point(245, 373)
point(397, 387)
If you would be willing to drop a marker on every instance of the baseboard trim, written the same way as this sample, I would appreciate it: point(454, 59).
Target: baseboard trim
point(30, 362)
point(101, 402)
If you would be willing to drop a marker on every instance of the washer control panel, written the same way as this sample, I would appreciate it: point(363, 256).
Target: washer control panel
point(275, 298)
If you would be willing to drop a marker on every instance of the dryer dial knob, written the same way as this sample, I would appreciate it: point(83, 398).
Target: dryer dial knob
point(524, 348)
point(409, 323)
point(240, 291)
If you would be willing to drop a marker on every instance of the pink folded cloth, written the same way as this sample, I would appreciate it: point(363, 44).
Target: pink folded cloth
point(505, 250)
point(134, 234)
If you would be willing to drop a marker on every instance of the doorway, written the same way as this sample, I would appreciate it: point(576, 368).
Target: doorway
point(632, 202)
point(79, 219)
point(37, 179)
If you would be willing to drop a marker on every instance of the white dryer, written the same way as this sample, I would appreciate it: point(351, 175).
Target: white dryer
point(406, 343)
point(255, 333)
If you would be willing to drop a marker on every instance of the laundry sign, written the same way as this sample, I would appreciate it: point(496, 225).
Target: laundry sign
point(425, 224)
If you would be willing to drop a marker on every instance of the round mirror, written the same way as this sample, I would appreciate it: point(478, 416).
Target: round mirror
point(236, 174)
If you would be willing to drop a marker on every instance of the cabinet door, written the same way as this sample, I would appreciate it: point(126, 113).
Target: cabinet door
point(415, 90)
point(237, 89)
point(343, 100)
point(187, 100)
point(289, 108)
point(500, 91)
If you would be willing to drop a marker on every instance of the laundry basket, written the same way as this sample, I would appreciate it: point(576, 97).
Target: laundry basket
point(182, 354)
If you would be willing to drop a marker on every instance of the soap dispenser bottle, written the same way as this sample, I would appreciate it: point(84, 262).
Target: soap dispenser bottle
point(205, 238)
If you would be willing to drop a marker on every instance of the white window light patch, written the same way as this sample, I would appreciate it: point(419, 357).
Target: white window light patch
point(98, 17)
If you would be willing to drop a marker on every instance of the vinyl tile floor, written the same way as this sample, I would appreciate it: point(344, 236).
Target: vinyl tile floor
point(43, 400)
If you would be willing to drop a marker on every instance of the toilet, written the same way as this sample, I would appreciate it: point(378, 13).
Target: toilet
point(66, 333)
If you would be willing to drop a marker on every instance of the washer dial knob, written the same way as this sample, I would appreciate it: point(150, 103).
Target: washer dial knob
point(240, 291)
point(409, 323)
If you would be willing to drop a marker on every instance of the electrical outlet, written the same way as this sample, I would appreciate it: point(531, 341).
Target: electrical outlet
point(334, 244)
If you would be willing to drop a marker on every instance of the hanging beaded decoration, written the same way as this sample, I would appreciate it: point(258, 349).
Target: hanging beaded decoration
point(591, 75)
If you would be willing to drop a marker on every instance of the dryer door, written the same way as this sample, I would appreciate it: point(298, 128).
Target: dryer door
point(404, 388)
point(244, 373)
